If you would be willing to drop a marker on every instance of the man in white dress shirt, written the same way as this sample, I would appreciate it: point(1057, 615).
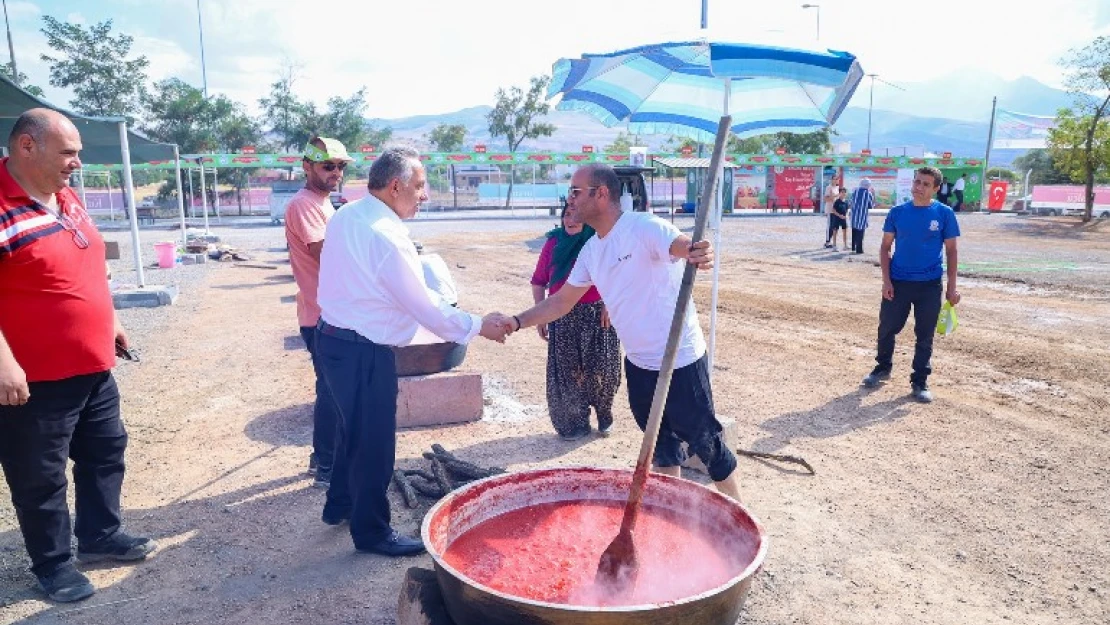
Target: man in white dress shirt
point(373, 296)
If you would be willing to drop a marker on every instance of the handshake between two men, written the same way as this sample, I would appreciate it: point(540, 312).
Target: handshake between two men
point(497, 326)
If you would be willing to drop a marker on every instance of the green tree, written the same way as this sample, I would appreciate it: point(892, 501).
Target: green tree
point(749, 145)
point(1044, 169)
point(288, 115)
point(177, 112)
point(345, 120)
point(6, 71)
point(1001, 173)
point(623, 142)
point(516, 117)
point(817, 142)
point(96, 66)
point(447, 137)
point(1080, 143)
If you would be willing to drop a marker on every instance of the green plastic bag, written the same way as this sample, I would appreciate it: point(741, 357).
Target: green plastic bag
point(947, 321)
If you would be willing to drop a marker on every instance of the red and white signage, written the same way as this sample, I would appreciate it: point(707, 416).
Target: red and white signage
point(247, 149)
point(366, 148)
point(587, 149)
point(480, 148)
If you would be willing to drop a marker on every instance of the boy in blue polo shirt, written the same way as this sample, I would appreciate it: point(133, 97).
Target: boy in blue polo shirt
point(922, 232)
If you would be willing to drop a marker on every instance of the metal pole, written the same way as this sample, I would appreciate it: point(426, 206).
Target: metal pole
point(203, 196)
point(203, 69)
point(704, 14)
point(454, 187)
point(1026, 192)
point(818, 23)
point(870, 107)
point(987, 158)
point(192, 196)
point(81, 186)
point(11, 48)
point(716, 224)
point(250, 204)
point(111, 204)
point(216, 193)
point(129, 198)
point(180, 199)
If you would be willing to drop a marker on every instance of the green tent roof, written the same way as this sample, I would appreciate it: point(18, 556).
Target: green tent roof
point(99, 135)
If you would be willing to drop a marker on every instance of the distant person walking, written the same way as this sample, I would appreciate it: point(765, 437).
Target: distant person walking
point(958, 189)
point(832, 192)
point(863, 200)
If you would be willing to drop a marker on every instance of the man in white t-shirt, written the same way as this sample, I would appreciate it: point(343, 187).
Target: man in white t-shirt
point(634, 263)
point(958, 189)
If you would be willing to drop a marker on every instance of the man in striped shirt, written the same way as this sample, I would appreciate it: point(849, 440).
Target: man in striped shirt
point(863, 200)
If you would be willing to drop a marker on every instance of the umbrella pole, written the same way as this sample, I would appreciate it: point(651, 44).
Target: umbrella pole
point(717, 209)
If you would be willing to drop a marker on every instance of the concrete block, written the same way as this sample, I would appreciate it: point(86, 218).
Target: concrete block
point(204, 238)
point(732, 439)
point(111, 250)
point(439, 399)
point(150, 296)
point(194, 259)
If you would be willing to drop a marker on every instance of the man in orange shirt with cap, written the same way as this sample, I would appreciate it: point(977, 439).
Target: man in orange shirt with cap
point(306, 217)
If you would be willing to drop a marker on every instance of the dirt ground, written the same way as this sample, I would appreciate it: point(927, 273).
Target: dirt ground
point(988, 506)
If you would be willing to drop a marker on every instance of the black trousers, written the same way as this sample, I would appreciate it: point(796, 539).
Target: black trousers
point(857, 240)
point(925, 299)
point(959, 200)
point(324, 414)
point(362, 379)
point(77, 418)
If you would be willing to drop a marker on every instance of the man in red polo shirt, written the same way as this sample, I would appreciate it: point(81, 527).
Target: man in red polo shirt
point(58, 399)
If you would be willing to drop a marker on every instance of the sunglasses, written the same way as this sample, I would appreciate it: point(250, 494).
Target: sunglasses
point(330, 167)
point(574, 192)
point(78, 237)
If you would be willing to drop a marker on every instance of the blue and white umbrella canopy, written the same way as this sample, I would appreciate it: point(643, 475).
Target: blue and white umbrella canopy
point(680, 88)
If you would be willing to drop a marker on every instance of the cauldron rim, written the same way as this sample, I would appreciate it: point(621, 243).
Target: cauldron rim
point(748, 571)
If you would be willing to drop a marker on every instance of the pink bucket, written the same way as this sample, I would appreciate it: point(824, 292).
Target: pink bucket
point(167, 254)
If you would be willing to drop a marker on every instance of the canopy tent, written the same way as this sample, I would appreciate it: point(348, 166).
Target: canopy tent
point(105, 140)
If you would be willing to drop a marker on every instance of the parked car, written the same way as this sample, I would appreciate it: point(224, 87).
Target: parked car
point(337, 199)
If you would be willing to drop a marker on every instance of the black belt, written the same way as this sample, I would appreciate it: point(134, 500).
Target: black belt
point(341, 333)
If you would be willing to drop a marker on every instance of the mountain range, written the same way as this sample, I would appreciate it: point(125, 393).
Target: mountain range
point(948, 114)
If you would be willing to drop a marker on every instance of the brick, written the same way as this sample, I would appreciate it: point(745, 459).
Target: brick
point(439, 399)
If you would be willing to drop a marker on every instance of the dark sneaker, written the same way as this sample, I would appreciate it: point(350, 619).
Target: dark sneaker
point(66, 584)
point(605, 431)
point(120, 547)
point(573, 436)
point(335, 518)
point(313, 467)
point(874, 379)
point(922, 393)
point(323, 480)
point(395, 546)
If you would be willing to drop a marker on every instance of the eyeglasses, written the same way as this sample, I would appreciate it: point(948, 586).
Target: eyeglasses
point(78, 237)
point(574, 192)
point(330, 167)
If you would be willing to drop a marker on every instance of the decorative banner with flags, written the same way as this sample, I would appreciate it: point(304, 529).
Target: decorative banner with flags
point(1017, 130)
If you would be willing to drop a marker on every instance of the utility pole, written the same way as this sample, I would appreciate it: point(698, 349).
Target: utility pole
point(11, 48)
point(983, 195)
point(818, 7)
point(203, 69)
point(871, 106)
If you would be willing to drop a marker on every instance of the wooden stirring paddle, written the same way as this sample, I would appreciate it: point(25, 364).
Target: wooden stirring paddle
point(618, 567)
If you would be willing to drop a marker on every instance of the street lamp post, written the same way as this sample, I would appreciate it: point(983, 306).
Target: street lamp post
point(871, 105)
point(11, 48)
point(818, 7)
point(203, 70)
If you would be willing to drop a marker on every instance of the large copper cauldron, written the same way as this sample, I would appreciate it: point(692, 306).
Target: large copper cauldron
point(471, 603)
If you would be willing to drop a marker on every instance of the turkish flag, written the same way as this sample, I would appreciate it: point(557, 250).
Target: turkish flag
point(997, 196)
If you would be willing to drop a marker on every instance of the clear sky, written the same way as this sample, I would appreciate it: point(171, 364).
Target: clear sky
point(435, 56)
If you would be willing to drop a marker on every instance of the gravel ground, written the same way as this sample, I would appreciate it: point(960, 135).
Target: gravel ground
point(987, 506)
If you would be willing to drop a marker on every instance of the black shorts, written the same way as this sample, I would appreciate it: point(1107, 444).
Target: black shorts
point(838, 223)
point(687, 418)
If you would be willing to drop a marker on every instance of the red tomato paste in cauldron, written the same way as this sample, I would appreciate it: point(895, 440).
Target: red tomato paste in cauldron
point(549, 552)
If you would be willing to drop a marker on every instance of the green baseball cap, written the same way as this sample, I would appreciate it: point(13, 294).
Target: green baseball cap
point(333, 151)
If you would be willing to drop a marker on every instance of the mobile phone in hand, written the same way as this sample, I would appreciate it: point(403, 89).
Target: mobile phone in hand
point(126, 353)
